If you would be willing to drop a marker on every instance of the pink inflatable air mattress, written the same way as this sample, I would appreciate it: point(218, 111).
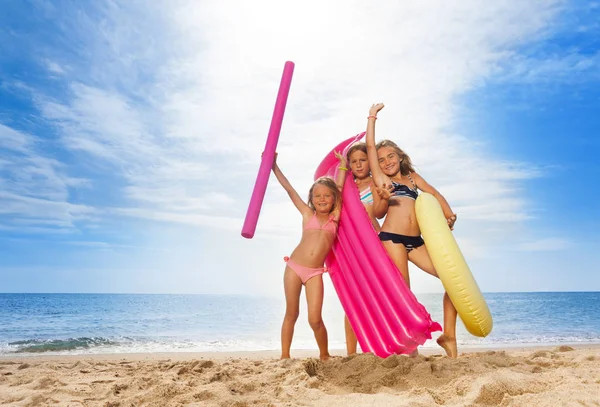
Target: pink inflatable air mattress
point(384, 313)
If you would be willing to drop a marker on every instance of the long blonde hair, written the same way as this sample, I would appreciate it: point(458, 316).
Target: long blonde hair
point(329, 183)
point(406, 166)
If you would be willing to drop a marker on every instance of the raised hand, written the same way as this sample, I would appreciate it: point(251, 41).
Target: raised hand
point(385, 192)
point(375, 109)
point(341, 159)
point(274, 160)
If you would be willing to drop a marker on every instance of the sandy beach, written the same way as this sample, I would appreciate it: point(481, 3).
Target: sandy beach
point(549, 376)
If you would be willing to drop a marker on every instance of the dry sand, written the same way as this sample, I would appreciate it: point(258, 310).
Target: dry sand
point(553, 376)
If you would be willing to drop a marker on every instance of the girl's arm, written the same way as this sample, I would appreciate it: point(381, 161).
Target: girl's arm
point(298, 202)
point(378, 176)
point(425, 187)
point(342, 170)
point(381, 197)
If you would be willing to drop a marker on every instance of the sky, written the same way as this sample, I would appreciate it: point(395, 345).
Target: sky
point(131, 135)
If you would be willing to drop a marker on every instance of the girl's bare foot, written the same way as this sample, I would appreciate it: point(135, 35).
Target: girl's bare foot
point(449, 345)
point(284, 357)
point(325, 357)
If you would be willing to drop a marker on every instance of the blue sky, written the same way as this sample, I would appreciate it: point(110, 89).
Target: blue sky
point(130, 135)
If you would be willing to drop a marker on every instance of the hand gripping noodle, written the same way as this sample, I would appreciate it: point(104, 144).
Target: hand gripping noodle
point(384, 313)
point(266, 164)
point(451, 266)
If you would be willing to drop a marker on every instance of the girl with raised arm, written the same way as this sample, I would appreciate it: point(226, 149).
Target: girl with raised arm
point(358, 164)
point(305, 265)
point(397, 184)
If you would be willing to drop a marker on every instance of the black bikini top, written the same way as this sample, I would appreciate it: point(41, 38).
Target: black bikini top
point(404, 191)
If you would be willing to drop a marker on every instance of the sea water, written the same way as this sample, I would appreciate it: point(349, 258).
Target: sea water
point(131, 323)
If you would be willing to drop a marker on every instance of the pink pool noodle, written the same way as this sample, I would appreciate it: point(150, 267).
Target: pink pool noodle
point(268, 156)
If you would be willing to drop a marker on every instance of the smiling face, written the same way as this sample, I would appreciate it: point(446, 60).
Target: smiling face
point(323, 199)
point(324, 196)
point(359, 164)
point(392, 159)
point(389, 161)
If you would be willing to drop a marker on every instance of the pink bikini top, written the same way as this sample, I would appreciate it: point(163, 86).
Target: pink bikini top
point(329, 226)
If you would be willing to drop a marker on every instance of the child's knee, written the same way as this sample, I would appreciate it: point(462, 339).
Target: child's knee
point(291, 317)
point(315, 322)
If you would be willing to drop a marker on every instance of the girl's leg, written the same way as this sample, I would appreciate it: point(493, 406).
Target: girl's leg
point(350, 337)
point(398, 254)
point(420, 257)
point(448, 339)
point(314, 299)
point(292, 286)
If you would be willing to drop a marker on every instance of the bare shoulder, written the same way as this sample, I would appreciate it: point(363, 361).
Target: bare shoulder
point(336, 215)
point(420, 182)
point(306, 216)
point(307, 213)
point(416, 177)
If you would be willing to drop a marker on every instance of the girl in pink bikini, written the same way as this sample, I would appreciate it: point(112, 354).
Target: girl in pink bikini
point(305, 266)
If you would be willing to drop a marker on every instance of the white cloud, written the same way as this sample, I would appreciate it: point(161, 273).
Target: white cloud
point(54, 67)
point(34, 187)
point(546, 245)
point(174, 100)
point(11, 139)
point(572, 67)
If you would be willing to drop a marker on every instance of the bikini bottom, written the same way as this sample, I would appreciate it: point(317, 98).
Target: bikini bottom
point(409, 242)
point(305, 273)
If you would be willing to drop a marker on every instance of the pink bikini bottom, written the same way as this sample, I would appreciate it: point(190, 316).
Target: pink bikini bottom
point(305, 273)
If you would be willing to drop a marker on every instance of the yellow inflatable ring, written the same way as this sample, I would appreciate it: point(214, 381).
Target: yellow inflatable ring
point(451, 266)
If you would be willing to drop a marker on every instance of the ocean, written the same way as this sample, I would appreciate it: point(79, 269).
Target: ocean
point(31, 324)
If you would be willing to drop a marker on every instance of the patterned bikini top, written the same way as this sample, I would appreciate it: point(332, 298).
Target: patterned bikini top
point(404, 191)
point(366, 196)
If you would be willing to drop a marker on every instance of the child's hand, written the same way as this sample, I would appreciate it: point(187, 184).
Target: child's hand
point(274, 159)
point(451, 220)
point(385, 192)
point(375, 109)
point(341, 159)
